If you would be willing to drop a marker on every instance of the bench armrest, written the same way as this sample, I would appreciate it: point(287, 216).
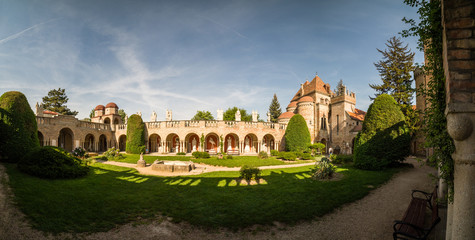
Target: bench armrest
point(420, 231)
point(427, 196)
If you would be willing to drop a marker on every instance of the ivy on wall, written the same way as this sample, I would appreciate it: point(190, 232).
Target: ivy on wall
point(429, 29)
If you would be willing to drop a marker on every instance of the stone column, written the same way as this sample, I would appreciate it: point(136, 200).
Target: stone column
point(458, 20)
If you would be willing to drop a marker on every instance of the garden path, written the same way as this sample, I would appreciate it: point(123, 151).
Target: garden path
point(369, 218)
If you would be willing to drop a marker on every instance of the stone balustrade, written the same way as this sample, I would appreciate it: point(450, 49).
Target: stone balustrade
point(212, 124)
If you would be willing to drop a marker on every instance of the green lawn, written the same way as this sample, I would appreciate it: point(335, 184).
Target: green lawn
point(112, 195)
point(236, 161)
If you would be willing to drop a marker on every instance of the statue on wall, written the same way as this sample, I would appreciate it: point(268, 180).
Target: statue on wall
point(268, 116)
point(153, 118)
point(229, 143)
point(193, 143)
point(126, 119)
point(238, 116)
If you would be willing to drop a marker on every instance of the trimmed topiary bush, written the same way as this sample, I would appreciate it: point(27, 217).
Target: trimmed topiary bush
point(52, 162)
point(274, 153)
point(289, 156)
point(135, 135)
point(297, 136)
point(18, 127)
point(384, 139)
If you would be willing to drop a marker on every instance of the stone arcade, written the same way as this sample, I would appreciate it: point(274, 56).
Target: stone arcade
point(331, 117)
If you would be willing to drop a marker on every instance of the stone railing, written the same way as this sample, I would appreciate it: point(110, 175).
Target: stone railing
point(79, 123)
point(213, 124)
point(93, 125)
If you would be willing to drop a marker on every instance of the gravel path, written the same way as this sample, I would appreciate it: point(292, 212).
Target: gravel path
point(368, 218)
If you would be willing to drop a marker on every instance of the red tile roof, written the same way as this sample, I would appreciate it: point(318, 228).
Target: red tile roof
point(357, 115)
point(111, 105)
point(306, 99)
point(292, 104)
point(50, 112)
point(99, 107)
point(316, 85)
point(286, 115)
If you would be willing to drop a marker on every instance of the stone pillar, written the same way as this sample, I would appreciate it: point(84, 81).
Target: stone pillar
point(77, 144)
point(458, 20)
point(54, 143)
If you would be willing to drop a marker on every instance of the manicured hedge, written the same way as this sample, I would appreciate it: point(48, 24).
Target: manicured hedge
point(297, 136)
point(52, 162)
point(384, 138)
point(135, 135)
point(18, 127)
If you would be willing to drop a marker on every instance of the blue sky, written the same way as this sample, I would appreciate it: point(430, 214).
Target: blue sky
point(192, 55)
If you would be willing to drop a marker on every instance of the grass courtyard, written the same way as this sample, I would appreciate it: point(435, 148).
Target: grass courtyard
point(112, 195)
point(236, 161)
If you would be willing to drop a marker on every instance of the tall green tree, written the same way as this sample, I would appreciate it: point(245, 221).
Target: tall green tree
point(56, 102)
point(135, 135)
point(395, 70)
point(274, 109)
point(297, 136)
point(122, 114)
point(384, 138)
point(203, 115)
point(18, 127)
point(230, 114)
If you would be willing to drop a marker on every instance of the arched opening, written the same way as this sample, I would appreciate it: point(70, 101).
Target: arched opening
point(107, 120)
point(212, 143)
point(122, 142)
point(65, 139)
point(268, 143)
point(89, 143)
point(116, 121)
point(231, 144)
point(154, 143)
point(337, 150)
point(250, 143)
point(41, 138)
point(173, 143)
point(102, 143)
point(192, 142)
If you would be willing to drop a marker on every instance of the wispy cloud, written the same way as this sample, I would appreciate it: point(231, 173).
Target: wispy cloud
point(18, 34)
point(224, 26)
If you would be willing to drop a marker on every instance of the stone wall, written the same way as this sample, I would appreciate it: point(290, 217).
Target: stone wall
point(458, 20)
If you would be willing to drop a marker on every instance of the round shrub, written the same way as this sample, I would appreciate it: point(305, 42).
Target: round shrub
point(135, 135)
point(52, 162)
point(384, 138)
point(297, 136)
point(289, 156)
point(200, 155)
point(18, 127)
point(263, 155)
point(274, 153)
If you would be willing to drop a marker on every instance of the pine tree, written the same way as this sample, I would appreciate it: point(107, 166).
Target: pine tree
point(56, 102)
point(395, 71)
point(274, 109)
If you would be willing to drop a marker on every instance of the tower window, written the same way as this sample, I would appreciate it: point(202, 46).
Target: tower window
point(337, 124)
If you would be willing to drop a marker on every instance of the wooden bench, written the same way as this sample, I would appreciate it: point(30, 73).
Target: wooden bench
point(412, 224)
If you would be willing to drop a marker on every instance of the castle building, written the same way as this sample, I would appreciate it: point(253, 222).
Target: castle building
point(331, 117)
